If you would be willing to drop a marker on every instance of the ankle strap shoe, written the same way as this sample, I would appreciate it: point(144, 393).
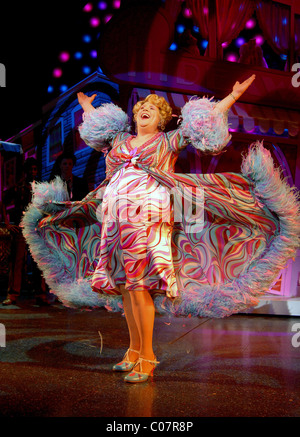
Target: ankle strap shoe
point(136, 377)
point(125, 365)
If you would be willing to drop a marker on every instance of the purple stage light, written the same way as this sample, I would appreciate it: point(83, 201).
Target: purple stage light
point(239, 42)
point(102, 6)
point(93, 53)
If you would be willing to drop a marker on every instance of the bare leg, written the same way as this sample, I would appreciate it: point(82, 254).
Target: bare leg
point(132, 326)
point(144, 314)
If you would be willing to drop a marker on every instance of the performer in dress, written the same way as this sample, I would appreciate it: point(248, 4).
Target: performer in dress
point(136, 263)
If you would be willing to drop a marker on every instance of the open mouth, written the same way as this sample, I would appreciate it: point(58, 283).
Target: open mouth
point(145, 115)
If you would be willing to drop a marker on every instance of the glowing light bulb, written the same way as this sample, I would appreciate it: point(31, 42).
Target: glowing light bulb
point(251, 23)
point(78, 55)
point(116, 4)
point(87, 38)
point(86, 69)
point(88, 7)
point(259, 40)
point(180, 28)
point(173, 46)
point(239, 42)
point(187, 13)
point(94, 54)
point(94, 21)
point(231, 57)
point(57, 72)
point(64, 56)
point(204, 44)
point(102, 6)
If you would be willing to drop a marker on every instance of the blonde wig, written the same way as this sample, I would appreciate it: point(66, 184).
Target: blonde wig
point(163, 106)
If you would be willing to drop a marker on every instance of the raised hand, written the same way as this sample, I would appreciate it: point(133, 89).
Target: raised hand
point(239, 88)
point(86, 101)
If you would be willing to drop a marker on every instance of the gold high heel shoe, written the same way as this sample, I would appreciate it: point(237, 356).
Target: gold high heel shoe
point(125, 365)
point(135, 377)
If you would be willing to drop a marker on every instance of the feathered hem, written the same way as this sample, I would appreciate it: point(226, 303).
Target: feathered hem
point(269, 190)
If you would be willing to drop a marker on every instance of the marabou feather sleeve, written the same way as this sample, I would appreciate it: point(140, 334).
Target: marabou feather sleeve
point(101, 125)
point(205, 127)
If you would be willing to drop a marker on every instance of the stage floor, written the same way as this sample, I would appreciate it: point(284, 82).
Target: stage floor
point(57, 363)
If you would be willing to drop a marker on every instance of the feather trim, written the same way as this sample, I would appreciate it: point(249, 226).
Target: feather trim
point(202, 301)
point(102, 125)
point(206, 128)
point(274, 193)
point(47, 195)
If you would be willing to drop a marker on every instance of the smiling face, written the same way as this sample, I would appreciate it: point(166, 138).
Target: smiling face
point(148, 117)
point(152, 114)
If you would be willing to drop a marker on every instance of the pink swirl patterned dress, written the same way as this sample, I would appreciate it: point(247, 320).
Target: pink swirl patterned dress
point(136, 238)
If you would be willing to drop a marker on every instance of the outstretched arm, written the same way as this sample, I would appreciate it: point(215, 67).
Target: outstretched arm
point(86, 101)
point(237, 90)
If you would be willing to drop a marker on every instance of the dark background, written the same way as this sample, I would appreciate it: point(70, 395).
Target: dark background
point(31, 35)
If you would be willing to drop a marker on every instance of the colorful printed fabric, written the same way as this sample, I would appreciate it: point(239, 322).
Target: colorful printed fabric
point(129, 231)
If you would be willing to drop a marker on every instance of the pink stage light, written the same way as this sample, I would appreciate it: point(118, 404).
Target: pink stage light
point(231, 57)
point(187, 13)
point(64, 56)
point(225, 44)
point(259, 40)
point(251, 23)
point(94, 21)
point(88, 7)
point(107, 18)
point(57, 72)
point(116, 4)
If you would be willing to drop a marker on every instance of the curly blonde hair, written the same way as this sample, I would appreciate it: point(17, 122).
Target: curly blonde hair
point(163, 106)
